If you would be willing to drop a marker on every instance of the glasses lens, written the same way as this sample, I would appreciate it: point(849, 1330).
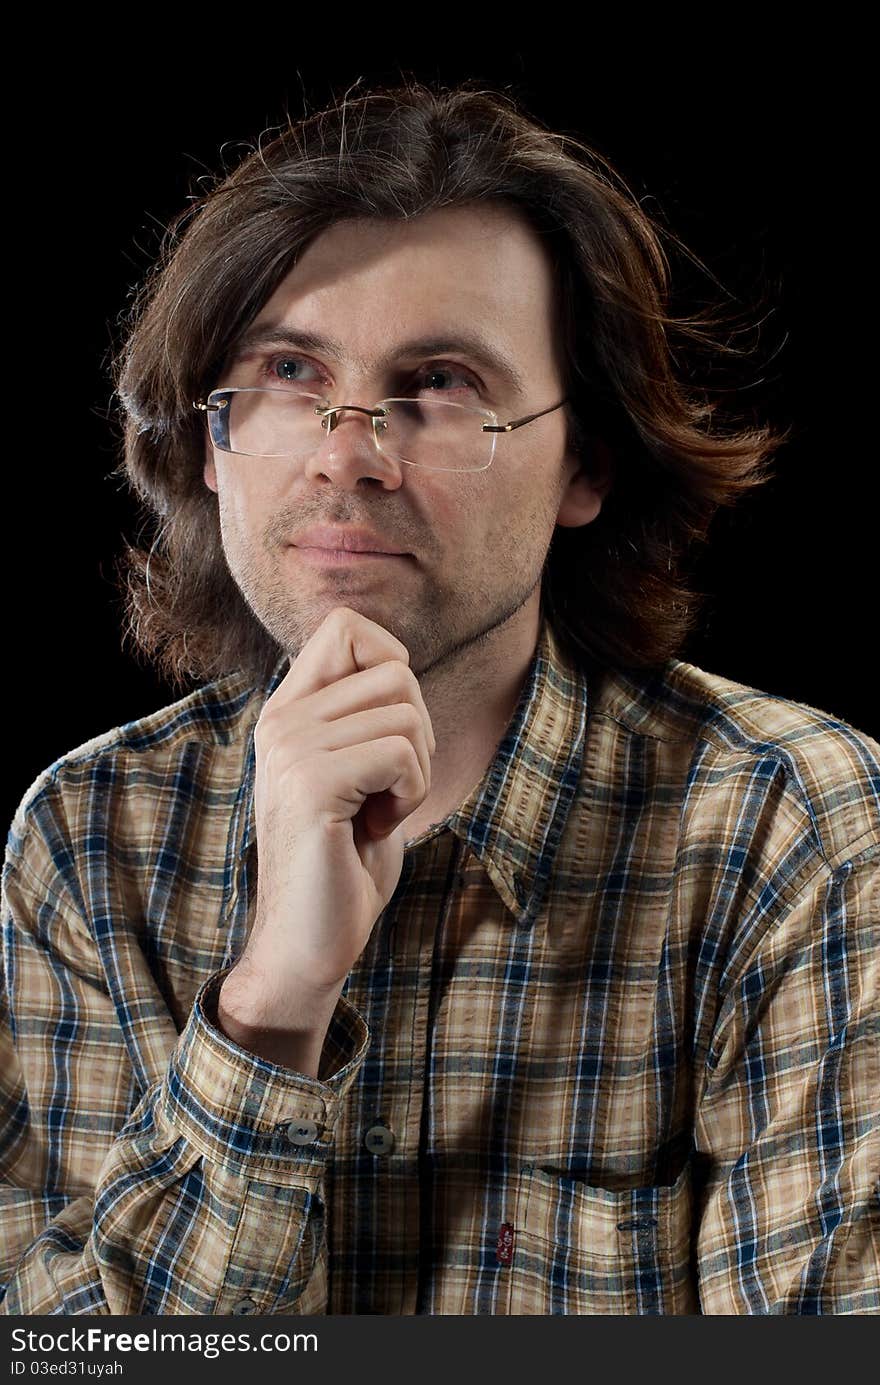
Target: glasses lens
point(428, 433)
point(265, 423)
point(435, 433)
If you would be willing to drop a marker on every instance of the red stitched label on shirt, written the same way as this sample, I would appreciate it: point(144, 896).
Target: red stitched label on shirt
point(504, 1248)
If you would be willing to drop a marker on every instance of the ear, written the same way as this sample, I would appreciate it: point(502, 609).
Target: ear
point(590, 476)
point(210, 470)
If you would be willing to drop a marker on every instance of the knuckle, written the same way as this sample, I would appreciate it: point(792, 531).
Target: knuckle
point(415, 762)
point(400, 678)
point(403, 747)
point(411, 718)
point(341, 617)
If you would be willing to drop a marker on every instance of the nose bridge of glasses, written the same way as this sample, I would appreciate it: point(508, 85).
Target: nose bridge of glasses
point(330, 414)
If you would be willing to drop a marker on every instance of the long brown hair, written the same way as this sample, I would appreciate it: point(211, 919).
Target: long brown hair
point(616, 590)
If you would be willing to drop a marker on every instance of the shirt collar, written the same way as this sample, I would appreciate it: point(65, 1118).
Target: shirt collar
point(245, 822)
point(514, 818)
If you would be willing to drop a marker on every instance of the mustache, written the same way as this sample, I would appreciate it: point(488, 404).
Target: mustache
point(282, 526)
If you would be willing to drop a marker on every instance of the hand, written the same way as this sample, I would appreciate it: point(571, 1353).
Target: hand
point(343, 757)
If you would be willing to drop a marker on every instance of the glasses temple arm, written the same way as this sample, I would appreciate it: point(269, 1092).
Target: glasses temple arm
point(518, 422)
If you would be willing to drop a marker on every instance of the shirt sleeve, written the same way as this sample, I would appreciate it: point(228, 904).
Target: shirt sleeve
point(203, 1194)
point(788, 1124)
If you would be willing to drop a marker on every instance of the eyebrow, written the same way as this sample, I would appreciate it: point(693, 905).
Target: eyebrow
point(464, 343)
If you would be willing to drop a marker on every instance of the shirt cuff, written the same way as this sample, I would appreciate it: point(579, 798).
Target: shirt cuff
point(253, 1117)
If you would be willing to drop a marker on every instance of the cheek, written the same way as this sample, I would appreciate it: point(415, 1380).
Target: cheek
point(474, 499)
point(487, 506)
point(244, 498)
point(453, 510)
point(242, 518)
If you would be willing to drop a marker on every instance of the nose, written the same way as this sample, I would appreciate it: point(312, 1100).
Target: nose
point(347, 451)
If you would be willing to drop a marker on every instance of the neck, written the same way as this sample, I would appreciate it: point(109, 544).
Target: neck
point(471, 699)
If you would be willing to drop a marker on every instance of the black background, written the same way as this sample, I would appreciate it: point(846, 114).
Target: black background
point(747, 153)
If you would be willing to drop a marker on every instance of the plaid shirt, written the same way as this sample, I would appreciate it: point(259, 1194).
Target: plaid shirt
point(611, 1047)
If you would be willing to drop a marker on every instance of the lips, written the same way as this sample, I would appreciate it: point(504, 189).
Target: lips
point(337, 538)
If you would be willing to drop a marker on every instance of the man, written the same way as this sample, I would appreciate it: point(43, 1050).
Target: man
point(457, 949)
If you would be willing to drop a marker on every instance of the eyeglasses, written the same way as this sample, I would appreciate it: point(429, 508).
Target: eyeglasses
point(433, 433)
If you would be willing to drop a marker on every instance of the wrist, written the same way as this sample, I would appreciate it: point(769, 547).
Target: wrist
point(288, 1030)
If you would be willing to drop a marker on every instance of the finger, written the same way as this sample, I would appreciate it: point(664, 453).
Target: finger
point(374, 724)
point(389, 766)
point(344, 643)
point(383, 685)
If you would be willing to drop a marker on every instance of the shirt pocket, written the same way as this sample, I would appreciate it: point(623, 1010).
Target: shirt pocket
point(578, 1248)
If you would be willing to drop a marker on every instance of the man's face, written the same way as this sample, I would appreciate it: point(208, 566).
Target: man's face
point(476, 541)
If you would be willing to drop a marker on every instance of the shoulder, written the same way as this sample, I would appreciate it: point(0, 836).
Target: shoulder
point(736, 742)
point(201, 736)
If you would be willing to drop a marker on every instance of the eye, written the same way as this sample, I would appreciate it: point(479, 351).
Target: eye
point(430, 374)
point(287, 370)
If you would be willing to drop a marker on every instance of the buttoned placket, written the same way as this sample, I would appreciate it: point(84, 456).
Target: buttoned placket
point(376, 1163)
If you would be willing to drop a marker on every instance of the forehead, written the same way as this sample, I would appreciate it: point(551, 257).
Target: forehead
point(481, 263)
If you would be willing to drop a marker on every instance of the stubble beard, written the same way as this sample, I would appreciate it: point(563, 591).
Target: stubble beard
point(438, 625)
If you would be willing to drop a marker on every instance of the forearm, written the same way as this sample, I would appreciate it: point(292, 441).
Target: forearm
point(290, 1033)
point(215, 1182)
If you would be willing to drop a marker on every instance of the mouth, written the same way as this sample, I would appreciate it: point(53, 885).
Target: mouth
point(348, 539)
point(344, 557)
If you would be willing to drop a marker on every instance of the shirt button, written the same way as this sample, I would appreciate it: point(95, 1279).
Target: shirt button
point(244, 1305)
point(302, 1132)
point(379, 1139)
